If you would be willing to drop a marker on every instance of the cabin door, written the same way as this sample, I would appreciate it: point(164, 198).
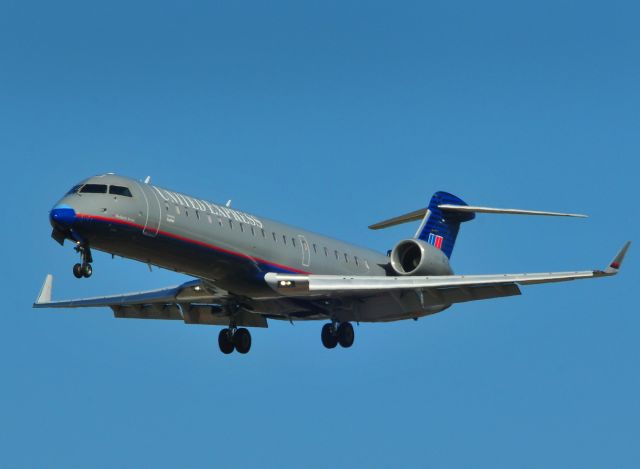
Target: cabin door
point(153, 215)
point(306, 252)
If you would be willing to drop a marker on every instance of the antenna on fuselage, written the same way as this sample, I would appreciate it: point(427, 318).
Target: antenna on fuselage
point(228, 204)
point(147, 180)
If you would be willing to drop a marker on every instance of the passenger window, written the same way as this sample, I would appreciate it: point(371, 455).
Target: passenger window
point(274, 237)
point(326, 252)
point(177, 210)
point(346, 257)
point(94, 189)
point(336, 252)
point(366, 264)
point(230, 224)
point(253, 232)
point(355, 259)
point(315, 249)
point(197, 215)
point(293, 241)
point(284, 239)
point(120, 190)
point(263, 235)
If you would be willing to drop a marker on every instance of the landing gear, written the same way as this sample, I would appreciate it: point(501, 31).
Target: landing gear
point(329, 336)
point(232, 338)
point(332, 335)
point(87, 270)
point(83, 269)
point(225, 341)
point(346, 336)
point(242, 340)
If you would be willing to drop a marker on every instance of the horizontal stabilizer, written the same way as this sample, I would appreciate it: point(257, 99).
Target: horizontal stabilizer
point(506, 211)
point(419, 214)
point(406, 218)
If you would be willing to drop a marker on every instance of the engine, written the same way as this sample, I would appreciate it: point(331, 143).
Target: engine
point(417, 257)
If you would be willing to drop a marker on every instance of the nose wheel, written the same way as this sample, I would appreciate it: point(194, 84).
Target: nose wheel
point(84, 268)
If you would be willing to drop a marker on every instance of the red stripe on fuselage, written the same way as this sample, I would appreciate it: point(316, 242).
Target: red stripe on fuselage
point(188, 240)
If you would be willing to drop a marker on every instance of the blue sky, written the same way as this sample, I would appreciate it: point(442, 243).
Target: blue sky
point(329, 115)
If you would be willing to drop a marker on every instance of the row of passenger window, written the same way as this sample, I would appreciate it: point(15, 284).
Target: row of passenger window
point(260, 231)
point(100, 189)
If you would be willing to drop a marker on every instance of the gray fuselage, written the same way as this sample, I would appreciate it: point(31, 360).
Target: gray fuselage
point(227, 246)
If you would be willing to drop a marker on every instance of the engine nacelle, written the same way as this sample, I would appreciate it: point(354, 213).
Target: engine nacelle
point(417, 257)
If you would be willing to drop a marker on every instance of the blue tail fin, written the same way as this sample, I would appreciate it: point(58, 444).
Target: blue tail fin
point(439, 227)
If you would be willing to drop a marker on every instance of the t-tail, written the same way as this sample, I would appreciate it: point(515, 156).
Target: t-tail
point(442, 218)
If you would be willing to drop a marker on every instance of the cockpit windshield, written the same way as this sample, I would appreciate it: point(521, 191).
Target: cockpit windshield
point(120, 190)
point(94, 189)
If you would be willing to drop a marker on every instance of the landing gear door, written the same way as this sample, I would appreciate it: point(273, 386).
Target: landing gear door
point(153, 211)
point(306, 252)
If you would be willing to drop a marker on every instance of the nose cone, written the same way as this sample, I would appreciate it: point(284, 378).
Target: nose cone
point(62, 216)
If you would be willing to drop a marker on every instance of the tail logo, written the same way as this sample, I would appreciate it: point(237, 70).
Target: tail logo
point(435, 240)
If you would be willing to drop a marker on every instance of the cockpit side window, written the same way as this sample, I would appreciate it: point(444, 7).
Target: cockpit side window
point(94, 189)
point(120, 190)
point(74, 189)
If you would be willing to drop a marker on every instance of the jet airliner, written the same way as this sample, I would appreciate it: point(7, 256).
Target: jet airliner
point(248, 269)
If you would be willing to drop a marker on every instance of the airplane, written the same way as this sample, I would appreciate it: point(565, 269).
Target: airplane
point(248, 269)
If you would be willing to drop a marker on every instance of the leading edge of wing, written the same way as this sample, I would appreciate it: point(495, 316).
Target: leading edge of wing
point(294, 285)
point(160, 295)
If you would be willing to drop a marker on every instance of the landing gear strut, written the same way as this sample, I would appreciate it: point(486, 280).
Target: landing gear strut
point(232, 338)
point(83, 269)
point(343, 334)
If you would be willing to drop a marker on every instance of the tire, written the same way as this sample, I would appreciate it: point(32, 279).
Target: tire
point(328, 336)
point(87, 270)
point(346, 336)
point(77, 271)
point(225, 341)
point(242, 340)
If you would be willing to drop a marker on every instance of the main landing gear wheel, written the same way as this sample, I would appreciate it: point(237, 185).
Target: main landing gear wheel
point(231, 338)
point(329, 336)
point(343, 335)
point(242, 340)
point(225, 341)
point(346, 336)
point(77, 270)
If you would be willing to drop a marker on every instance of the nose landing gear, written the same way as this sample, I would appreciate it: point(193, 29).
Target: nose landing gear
point(83, 269)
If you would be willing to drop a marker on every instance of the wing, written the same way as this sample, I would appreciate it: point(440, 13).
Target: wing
point(450, 288)
point(194, 302)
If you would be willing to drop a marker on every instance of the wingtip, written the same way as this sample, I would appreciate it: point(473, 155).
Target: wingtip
point(616, 263)
point(45, 292)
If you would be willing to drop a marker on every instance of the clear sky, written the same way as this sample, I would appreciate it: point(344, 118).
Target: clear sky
point(330, 115)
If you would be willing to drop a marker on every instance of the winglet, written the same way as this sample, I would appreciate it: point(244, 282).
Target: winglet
point(616, 263)
point(45, 291)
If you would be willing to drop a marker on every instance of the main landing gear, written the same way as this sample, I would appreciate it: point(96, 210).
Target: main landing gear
point(83, 269)
point(231, 339)
point(343, 334)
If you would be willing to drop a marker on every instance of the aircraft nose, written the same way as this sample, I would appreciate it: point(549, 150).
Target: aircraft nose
point(62, 216)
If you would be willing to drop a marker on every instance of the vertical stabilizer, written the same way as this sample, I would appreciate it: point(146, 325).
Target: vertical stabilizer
point(439, 227)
